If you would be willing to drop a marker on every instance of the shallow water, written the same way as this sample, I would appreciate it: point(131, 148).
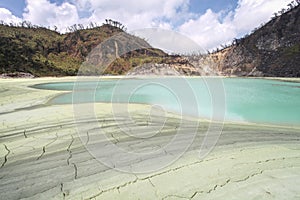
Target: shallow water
point(238, 99)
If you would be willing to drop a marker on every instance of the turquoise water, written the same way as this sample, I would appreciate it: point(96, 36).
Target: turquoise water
point(250, 100)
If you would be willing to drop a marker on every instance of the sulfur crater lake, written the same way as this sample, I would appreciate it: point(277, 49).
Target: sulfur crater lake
point(234, 99)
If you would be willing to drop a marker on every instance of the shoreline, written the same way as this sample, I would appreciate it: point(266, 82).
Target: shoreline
point(292, 79)
point(202, 119)
point(30, 83)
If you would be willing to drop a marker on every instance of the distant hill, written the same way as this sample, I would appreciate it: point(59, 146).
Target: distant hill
point(43, 52)
point(272, 50)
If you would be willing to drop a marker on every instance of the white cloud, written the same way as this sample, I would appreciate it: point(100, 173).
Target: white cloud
point(209, 31)
point(43, 12)
point(158, 7)
point(135, 14)
point(7, 17)
point(169, 41)
point(132, 13)
point(250, 14)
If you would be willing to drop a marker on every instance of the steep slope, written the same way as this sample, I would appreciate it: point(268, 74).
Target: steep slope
point(25, 50)
point(272, 50)
point(43, 52)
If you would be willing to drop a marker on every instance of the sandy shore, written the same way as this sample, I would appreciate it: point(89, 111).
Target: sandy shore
point(43, 157)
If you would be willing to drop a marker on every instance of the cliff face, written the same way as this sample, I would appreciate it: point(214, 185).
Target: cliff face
point(272, 50)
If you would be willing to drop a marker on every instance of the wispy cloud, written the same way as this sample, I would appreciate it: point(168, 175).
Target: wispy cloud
point(8, 17)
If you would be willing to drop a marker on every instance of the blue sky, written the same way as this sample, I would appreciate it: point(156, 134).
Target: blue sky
point(200, 6)
point(15, 6)
point(207, 22)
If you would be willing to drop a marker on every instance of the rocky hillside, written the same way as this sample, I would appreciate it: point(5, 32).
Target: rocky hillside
point(272, 50)
point(43, 52)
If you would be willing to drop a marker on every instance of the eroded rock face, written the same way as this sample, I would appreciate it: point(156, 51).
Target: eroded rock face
point(200, 65)
point(153, 69)
point(268, 44)
point(166, 70)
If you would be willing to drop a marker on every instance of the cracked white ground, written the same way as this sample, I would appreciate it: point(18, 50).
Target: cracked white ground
point(42, 157)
